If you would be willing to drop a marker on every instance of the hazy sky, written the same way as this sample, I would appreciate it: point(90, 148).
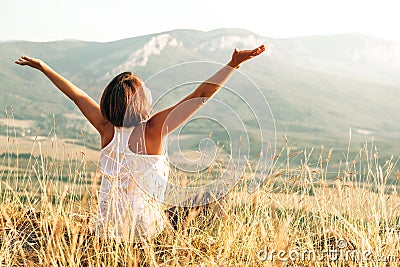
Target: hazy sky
point(44, 20)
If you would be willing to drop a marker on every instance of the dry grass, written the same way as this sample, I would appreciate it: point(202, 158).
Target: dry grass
point(45, 221)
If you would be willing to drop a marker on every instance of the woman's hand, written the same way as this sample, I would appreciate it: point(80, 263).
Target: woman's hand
point(238, 57)
point(31, 62)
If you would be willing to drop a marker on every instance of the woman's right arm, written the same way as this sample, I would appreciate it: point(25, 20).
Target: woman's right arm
point(89, 108)
point(166, 121)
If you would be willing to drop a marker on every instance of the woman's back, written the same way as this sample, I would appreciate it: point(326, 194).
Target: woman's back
point(132, 190)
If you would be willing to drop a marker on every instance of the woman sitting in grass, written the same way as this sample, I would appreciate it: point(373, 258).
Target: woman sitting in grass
point(134, 168)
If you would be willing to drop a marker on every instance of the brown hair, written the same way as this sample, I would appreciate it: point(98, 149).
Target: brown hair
point(124, 101)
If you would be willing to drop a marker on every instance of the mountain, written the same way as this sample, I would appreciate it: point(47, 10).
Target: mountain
point(317, 86)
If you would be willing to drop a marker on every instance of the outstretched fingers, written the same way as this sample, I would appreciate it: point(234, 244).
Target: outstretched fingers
point(19, 61)
point(258, 50)
point(23, 60)
point(240, 56)
point(28, 61)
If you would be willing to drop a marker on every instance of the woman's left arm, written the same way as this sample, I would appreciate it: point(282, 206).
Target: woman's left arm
point(166, 121)
point(163, 124)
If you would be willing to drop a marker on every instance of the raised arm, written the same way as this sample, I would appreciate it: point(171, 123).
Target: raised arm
point(166, 121)
point(89, 107)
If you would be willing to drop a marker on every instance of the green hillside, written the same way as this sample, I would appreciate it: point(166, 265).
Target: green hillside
point(317, 86)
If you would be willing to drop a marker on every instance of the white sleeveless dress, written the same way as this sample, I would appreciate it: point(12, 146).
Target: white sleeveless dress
point(132, 191)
